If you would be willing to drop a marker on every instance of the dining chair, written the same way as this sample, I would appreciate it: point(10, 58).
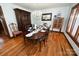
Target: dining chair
point(14, 29)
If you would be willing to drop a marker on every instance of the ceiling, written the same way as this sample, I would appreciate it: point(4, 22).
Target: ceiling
point(38, 6)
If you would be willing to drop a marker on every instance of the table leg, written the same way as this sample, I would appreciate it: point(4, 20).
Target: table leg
point(40, 46)
point(44, 43)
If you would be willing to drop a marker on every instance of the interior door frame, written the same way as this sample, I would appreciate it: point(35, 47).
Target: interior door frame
point(4, 22)
point(73, 38)
point(72, 22)
point(76, 37)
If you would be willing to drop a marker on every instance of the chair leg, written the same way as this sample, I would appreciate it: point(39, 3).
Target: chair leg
point(40, 46)
point(44, 43)
point(14, 36)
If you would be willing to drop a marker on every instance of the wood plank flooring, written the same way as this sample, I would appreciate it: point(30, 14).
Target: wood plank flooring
point(57, 45)
point(5, 38)
point(12, 46)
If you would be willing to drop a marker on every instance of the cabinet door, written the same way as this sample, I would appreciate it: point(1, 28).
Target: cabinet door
point(26, 19)
point(18, 14)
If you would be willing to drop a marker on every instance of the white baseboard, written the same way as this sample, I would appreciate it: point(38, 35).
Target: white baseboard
point(74, 46)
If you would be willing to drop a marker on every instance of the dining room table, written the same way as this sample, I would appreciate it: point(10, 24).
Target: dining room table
point(38, 37)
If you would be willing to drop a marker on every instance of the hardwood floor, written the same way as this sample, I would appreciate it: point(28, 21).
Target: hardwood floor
point(57, 45)
point(12, 46)
point(5, 38)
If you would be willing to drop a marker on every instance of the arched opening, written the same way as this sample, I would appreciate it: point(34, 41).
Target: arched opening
point(4, 34)
point(2, 28)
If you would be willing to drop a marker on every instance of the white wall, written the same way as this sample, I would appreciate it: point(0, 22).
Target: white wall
point(9, 14)
point(36, 15)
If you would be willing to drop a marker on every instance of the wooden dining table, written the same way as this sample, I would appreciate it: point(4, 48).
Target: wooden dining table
point(39, 38)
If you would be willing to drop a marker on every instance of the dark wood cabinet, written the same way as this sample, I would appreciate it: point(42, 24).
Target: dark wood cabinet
point(23, 18)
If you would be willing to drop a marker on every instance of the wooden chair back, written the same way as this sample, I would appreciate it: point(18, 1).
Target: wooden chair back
point(13, 27)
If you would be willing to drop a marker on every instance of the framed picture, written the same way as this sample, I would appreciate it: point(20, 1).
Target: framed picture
point(47, 17)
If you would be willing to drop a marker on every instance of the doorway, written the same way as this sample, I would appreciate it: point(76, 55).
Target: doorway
point(4, 33)
point(3, 25)
point(1, 28)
